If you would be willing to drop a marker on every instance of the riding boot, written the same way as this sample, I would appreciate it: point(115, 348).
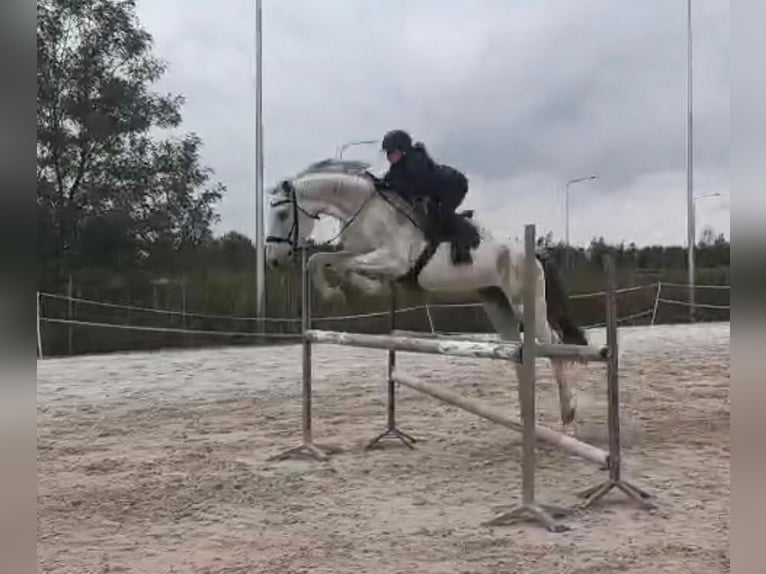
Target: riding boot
point(448, 229)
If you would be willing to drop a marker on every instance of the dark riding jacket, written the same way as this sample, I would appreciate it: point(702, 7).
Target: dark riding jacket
point(413, 175)
point(417, 175)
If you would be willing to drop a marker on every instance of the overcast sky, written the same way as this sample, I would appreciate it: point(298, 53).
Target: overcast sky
point(521, 96)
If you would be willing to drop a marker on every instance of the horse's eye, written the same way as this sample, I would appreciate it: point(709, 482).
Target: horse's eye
point(282, 215)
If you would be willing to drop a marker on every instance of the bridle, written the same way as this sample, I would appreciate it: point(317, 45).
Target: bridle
point(292, 236)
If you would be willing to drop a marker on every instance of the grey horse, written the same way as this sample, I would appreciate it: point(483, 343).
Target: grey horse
point(382, 242)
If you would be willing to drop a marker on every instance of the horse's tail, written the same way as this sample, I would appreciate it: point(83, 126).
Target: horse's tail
point(557, 305)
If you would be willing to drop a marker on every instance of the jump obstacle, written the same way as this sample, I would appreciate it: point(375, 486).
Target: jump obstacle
point(525, 354)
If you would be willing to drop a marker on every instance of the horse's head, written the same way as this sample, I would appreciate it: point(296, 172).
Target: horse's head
point(296, 204)
point(288, 224)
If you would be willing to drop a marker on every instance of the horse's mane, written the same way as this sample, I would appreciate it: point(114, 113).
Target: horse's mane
point(361, 169)
point(336, 165)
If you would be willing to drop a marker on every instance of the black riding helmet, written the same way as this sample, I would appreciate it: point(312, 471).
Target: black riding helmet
point(396, 140)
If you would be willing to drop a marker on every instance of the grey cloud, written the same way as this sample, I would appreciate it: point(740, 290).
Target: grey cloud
point(610, 97)
point(505, 90)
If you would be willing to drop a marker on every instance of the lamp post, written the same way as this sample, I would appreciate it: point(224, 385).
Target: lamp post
point(347, 145)
point(566, 208)
point(260, 256)
point(691, 233)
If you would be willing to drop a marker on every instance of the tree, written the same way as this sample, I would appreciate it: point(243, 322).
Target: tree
point(545, 241)
point(597, 249)
point(232, 251)
point(708, 236)
point(105, 186)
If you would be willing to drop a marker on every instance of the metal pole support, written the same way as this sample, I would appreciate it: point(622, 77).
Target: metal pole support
point(594, 494)
point(307, 450)
point(391, 429)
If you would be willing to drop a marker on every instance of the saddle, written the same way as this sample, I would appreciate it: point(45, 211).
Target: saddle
point(438, 226)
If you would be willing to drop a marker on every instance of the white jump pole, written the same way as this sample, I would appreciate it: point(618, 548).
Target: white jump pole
point(465, 346)
point(499, 416)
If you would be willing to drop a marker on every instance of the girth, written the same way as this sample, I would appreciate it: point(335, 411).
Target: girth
point(411, 277)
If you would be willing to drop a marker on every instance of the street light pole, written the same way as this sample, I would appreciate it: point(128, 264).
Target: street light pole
point(260, 256)
point(566, 209)
point(347, 145)
point(691, 232)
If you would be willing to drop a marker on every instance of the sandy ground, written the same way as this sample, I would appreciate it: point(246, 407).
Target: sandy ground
point(158, 463)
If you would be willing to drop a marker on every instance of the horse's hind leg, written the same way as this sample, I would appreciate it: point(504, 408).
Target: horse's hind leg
point(500, 313)
point(546, 335)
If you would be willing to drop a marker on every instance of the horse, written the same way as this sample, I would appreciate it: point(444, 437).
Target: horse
point(382, 241)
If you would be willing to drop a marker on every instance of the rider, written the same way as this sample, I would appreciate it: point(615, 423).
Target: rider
point(415, 176)
point(412, 170)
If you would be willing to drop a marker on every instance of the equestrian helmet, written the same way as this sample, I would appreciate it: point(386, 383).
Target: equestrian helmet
point(396, 140)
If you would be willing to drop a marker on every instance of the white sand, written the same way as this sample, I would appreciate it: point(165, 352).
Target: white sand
point(157, 462)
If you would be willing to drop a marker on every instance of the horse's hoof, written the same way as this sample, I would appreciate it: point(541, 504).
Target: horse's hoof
point(567, 418)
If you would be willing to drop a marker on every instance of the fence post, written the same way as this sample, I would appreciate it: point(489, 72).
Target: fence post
point(656, 302)
point(70, 316)
point(527, 382)
point(39, 330)
point(305, 326)
point(596, 493)
point(183, 311)
point(430, 318)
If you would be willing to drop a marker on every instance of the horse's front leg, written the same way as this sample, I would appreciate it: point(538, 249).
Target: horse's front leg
point(319, 264)
point(370, 286)
point(379, 264)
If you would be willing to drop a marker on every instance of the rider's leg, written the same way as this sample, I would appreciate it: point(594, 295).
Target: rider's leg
point(447, 206)
point(452, 201)
point(430, 216)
